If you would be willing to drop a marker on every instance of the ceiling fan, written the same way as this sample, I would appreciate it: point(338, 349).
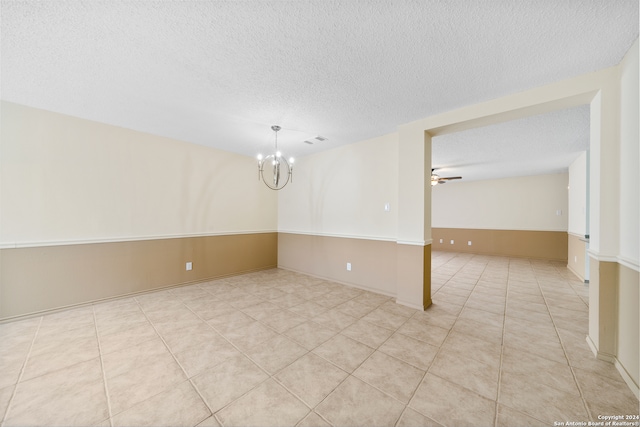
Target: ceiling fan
point(437, 179)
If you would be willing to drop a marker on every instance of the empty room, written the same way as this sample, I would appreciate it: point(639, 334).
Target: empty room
point(319, 213)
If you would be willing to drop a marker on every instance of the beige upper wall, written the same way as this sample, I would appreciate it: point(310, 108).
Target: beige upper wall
point(521, 203)
point(66, 179)
point(629, 159)
point(343, 192)
point(577, 215)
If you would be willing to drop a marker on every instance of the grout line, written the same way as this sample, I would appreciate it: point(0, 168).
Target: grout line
point(104, 374)
point(564, 350)
point(22, 369)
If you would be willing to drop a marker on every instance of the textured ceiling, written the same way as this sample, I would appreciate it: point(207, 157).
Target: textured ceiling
point(219, 73)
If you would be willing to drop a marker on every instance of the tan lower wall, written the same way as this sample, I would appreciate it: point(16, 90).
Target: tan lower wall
point(628, 343)
point(551, 245)
point(46, 278)
point(576, 259)
point(373, 262)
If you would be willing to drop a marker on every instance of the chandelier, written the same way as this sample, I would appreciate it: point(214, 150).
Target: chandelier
point(278, 170)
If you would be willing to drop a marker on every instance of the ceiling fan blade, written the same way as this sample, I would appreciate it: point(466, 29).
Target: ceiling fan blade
point(450, 178)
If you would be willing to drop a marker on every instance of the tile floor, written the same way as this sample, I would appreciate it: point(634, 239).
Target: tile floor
point(502, 345)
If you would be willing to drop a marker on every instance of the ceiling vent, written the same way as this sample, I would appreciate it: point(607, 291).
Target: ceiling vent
point(314, 140)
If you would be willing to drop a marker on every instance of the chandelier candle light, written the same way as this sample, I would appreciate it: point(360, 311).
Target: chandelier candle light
point(281, 170)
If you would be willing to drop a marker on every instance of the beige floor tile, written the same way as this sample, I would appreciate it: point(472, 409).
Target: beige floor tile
point(423, 331)
point(198, 358)
point(385, 319)
point(310, 334)
point(539, 345)
point(178, 406)
point(276, 353)
point(334, 319)
point(245, 301)
point(135, 357)
point(250, 335)
point(435, 317)
point(308, 309)
point(134, 334)
point(168, 326)
point(53, 340)
point(288, 300)
point(60, 356)
point(518, 391)
point(311, 378)
point(119, 323)
point(607, 394)
point(267, 405)
point(262, 310)
point(493, 306)
point(212, 421)
point(411, 418)
point(228, 380)
point(367, 333)
point(516, 303)
point(355, 403)
point(313, 420)
point(472, 347)
point(390, 375)
point(399, 309)
point(139, 384)
point(355, 309)
point(329, 298)
point(73, 396)
point(482, 316)
point(415, 352)
point(207, 309)
point(451, 404)
point(372, 299)
point(508, 417)
point(283, 320)
point(19, 330)
point(11, 365)
point(490, 333)
point(479, 377)
point(5, 396)
point(344, 352)
point(191, 336)
point(229, 322)
point(547, 372)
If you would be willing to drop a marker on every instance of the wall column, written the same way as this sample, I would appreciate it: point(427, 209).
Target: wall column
point(604, 202)
point(414, 217)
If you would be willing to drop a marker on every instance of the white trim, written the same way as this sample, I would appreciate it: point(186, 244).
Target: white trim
point(341, 236)
point(18, 245)
point(502, 229)
point(627, 378)
point(592, 346)
point(415, 242)
point(598, 354)
point(410, 305)
point(620, 259)
point(602, 258)
point(350, 284)
point(629, 263)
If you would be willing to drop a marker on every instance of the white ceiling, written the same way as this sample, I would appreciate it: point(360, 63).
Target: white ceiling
point(220, 73)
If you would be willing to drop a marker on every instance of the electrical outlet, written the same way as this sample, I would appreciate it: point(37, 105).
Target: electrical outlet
point(348, 266)
point(189, 266)
point(469, 243)
point(440, 240)
point(452, 242)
